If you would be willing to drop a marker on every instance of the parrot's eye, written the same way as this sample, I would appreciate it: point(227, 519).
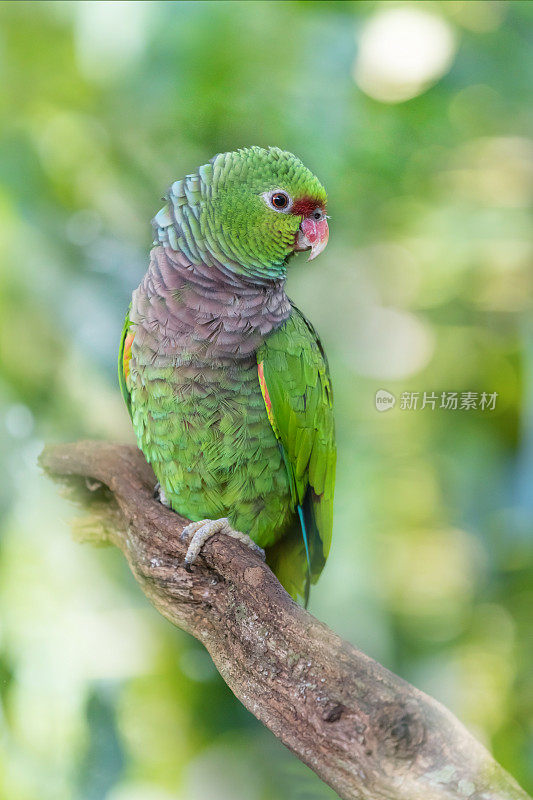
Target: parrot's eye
point(278, 200)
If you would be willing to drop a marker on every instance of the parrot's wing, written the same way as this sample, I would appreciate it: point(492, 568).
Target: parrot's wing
point(294, 377)
point(124, 358)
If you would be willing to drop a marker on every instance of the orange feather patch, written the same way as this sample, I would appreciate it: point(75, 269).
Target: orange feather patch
point(266, 397)
point(126, 355)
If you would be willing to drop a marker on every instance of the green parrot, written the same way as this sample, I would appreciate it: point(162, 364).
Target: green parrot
point(225, 380)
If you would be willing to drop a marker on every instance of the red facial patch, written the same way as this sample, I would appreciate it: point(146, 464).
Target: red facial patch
point(305, 205)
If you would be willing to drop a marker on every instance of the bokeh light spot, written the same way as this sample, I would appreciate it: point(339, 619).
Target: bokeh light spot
point(402, 51)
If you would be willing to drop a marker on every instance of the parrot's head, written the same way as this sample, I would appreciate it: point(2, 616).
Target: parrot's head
point(252, 209)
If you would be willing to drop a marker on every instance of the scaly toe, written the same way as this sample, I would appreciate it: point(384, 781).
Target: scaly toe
point(191, 529)
point(200, 532)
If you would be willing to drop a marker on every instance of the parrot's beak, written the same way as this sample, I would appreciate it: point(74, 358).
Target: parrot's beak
point(313, 235)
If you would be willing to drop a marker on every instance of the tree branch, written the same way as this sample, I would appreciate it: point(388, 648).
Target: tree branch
point(364, 731)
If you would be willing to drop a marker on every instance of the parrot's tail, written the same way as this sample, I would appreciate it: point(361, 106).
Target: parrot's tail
point(306, 543)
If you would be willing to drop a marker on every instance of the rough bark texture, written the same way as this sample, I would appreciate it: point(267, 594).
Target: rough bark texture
point(363, 730)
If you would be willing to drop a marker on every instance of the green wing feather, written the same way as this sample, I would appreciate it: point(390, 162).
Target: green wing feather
point(297, 389)
point(124, 356)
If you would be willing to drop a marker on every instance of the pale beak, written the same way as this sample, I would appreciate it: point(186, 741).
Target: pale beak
point(313, 235)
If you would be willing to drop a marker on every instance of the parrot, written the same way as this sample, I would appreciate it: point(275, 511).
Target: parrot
point(226, 381)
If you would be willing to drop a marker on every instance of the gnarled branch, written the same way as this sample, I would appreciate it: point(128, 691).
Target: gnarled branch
point(364, 731)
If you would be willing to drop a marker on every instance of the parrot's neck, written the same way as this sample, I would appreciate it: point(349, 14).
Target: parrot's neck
point(184, 224)
point(206, 310)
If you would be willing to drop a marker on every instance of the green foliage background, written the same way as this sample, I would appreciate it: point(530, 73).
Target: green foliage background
point(426, 286)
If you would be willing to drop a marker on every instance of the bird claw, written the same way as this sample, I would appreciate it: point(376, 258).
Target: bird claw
point(199, 532)
point(160, 495)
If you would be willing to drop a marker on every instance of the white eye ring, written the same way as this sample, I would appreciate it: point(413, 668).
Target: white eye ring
point(273, 198)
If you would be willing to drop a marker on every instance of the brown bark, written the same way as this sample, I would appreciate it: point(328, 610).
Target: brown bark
point(363, 730)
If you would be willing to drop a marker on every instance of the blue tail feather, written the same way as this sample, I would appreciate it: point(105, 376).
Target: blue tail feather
point(306, 544)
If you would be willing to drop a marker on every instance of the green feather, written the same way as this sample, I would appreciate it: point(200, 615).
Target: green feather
point(295, 367)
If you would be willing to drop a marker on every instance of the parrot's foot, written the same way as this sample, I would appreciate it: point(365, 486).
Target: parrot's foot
point(200, 532)
point(160, 495)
